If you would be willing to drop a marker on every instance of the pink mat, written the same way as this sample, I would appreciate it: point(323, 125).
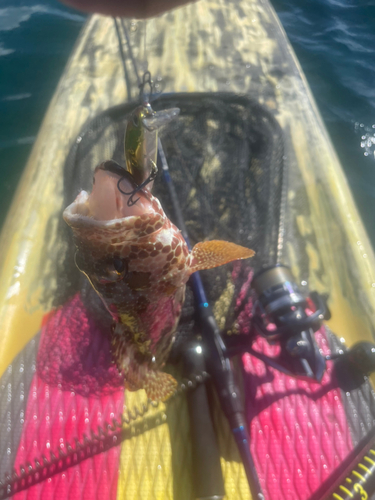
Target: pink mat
point(82, 391)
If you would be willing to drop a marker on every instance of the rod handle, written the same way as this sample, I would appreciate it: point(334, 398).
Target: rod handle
point(208, 477)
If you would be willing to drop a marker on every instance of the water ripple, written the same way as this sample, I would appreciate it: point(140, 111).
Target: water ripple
point(12, 17)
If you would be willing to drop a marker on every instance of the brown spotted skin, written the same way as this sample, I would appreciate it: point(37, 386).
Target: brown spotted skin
point(139, 266)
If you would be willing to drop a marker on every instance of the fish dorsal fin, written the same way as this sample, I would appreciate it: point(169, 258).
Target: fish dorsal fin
point(209, 254)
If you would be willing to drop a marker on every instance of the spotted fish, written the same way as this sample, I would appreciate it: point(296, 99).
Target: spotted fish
point(138, 262)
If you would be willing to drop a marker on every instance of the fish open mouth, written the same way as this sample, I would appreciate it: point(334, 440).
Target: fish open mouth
point(106, 205)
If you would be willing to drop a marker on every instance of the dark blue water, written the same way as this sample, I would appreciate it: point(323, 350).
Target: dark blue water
point(334, 41)
point(36, 38)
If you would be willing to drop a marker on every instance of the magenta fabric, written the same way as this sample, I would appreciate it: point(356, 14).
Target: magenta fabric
point(75, 389)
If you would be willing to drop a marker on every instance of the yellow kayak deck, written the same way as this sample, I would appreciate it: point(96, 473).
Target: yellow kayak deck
point(181, 45)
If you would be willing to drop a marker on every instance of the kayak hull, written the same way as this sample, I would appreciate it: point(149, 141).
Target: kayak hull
point(204, 47)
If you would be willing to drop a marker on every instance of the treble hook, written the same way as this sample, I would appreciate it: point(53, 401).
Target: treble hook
point(149, 179)
point(146, 80)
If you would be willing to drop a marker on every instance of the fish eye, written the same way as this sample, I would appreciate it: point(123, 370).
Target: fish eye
point(120, 266)
point(115, 270)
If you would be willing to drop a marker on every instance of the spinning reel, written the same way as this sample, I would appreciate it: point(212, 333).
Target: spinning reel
point(285, 316)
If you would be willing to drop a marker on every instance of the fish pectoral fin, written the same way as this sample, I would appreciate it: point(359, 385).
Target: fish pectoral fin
point(159, 386)
point(209, 254)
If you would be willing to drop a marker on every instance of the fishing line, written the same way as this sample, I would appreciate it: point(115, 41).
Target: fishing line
point(145, 44)
point(146, 82)
point(152, 95)
point(126, 74)
point(132, 58)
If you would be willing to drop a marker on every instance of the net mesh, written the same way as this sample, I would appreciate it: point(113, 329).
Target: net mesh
point(225, 154)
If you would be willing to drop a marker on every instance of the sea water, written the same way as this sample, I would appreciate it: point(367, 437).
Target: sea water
point(36, 39)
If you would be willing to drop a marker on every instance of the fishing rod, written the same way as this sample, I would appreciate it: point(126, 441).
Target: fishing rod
point(208, 477)
point(219, 364)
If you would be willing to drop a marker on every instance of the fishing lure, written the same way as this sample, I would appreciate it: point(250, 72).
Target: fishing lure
point(141, 145)
point(136, 259)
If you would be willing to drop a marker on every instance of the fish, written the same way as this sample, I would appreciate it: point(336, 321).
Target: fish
point(138, 262)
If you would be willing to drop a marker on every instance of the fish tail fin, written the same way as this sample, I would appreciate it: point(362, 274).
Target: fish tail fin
point(209, 254)
point(159, 386)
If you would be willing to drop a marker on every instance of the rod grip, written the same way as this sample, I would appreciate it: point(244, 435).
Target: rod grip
point(208, 477)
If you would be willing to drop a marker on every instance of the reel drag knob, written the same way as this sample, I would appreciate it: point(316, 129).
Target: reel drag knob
point(362, 356)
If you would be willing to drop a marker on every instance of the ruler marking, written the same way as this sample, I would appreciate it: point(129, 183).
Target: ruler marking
point(346, 491)
point(369, 460)
point(335, 495)
point(363, 467)
point(357, 474)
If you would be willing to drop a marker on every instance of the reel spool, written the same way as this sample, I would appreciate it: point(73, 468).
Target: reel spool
point(282, 314)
